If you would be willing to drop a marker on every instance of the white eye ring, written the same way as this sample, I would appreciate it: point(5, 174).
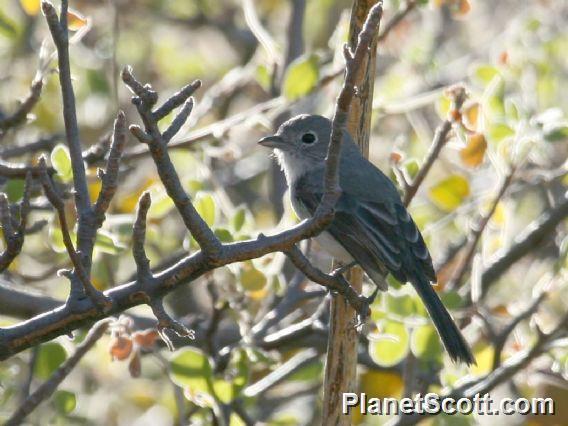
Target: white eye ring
point(309, 138)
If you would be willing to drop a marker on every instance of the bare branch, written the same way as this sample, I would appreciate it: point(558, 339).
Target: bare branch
point(166, 322)
point(525, 242)
point(50, 386)
point(14, 239)
point(179, 121)
point(109, 176)
point(396, 19)
point(458, 95)
point(139, 236)
point(476, 233)
point(20, 115)
point(144, 102)
point(96, 296)
point(176, 100)
point(334, 282)
point(59, 32)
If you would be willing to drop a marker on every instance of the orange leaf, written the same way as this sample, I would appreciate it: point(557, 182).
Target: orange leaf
point(145, 338)
point(473, 153)
point(120, 348)
point(395, 157)
point(471, 115)
point(76, 21)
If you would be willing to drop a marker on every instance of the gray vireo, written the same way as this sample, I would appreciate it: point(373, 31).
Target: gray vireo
point(371, 225)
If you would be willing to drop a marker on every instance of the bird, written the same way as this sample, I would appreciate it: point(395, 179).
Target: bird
point(371, 225)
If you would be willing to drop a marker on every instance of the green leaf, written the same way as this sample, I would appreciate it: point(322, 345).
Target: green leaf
point(310, 373)
point(556, 133)
point(160, 207)
point(485, 73)
point(190, 368)
point(251, 278)
point(64, 401)
point(7, 26)
point(391, 346)
point(108, 243)
point(404, 305)
point(56, 239)
point(301, 77)
point(411, 166)
point(449, 193)
point(451, 299)
point(14, 189)
point(238, 219)
point(229, 388)
point(425, 343)
point(205, 206)
point(50, 356)
point(61, 161)
point(224, 235)
point(263, 77)
point(498, 132)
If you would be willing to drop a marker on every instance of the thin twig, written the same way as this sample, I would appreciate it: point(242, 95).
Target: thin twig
point(90, 291)
point(50, 386)
point(476, 233)
point(396, 19)
point(21, 114)
point(458, 95)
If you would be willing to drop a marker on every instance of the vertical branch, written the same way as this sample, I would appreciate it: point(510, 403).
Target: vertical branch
point(341, 362)
point(60, 34)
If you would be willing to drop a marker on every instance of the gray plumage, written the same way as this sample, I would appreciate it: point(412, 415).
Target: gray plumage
point(371, 225)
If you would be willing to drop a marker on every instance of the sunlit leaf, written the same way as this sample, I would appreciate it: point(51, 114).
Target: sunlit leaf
point(75, 21)
point(251, 278)
point(450, 192)
point(14, 189)
point(238, 219)
point(470, 115)
point(485, 73)
point(228, 388)
point(392, 345)
point(301, 77)
point(50, 356)
point(205, 205)
point(473, 153)
point(412, 167)
point(61, 161)
point(108, 243)
point(160, 207)
point(403, 305)
point(425, 343)
point(120, 347)
point(499, 131)
point(190, 368)
point(263, 76)
point(64, 401)
point(484, 360)
point(31, 7)
point(224, 235)
point(7, 26)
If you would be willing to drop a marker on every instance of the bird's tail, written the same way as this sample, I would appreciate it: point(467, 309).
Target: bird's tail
point(453, 340)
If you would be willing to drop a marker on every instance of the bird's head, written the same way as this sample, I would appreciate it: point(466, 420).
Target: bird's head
point(302, 137)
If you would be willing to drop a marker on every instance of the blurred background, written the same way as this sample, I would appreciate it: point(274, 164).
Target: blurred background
point(492, 190)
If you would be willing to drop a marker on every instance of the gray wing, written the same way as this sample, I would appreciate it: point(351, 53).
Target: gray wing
point(377, 235)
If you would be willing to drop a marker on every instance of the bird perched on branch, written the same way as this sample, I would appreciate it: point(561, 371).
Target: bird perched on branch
point(371, 225)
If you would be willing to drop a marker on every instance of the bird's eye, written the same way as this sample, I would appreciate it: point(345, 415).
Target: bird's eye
point(309, 138)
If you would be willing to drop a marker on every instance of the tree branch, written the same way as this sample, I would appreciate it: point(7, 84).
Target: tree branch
point(20, 115)
point(458, 95)
point(50, 386)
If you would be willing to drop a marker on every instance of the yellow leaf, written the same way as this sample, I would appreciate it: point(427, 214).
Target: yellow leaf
point(499, 215)
point(450, 192)
point(378, 384)
point(94, 190)
point(472, 154)
point(484, 358)
point(31, 7)
point(76, 21)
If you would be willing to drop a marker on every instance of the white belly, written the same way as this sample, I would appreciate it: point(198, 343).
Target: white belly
point(325, 239)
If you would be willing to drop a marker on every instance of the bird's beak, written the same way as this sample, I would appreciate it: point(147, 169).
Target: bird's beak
point(273, 141)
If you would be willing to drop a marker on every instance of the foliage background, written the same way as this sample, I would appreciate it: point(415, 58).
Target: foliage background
point(511, 58)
